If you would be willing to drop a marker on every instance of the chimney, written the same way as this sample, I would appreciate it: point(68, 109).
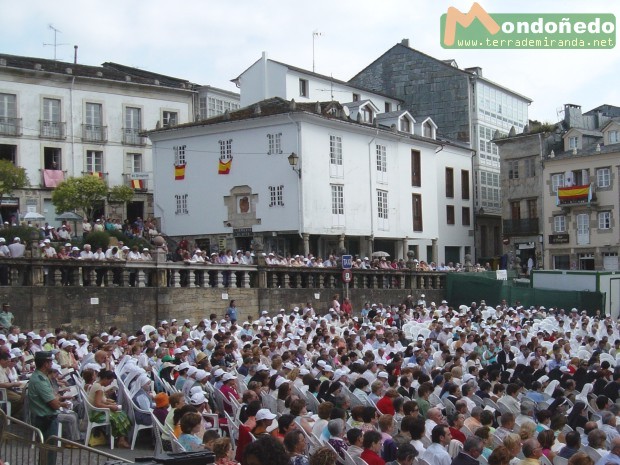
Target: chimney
point(75, 48)
point(265, 78)
point(405, 42)
point(572, 116)
point(477, 70)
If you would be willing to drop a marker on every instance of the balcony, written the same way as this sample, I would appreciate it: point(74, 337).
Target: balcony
point(137, 181)
point(521, 227)
point(10, 126)
point(52, 130)
point(576, 195)
point(97, 134)
point(131, 136)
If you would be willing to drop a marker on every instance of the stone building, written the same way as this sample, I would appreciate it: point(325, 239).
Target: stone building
point(466, 107)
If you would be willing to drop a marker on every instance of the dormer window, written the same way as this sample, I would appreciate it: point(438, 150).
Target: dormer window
point(405, 125)
point(356, 97)
point(427, 130)
point(613, 137)
point(573, 142)
point(367, 114)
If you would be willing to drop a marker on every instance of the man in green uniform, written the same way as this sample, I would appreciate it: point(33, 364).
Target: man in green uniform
point(6, 318)
point(44, 404)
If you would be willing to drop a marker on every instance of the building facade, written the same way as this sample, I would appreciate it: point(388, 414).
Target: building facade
point(357, 186)
point(61, 120)
point(466, 107)
point(581, 194)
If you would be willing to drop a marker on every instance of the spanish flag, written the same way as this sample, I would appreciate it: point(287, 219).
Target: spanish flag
point(137, 184)
point(574, 194)
point(179, 172)
point(224, 166)
point(97, 174)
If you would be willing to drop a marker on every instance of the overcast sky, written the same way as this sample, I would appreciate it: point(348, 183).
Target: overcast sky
point(209, 42)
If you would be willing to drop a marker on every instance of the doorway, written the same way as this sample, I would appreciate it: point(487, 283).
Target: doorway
point(135, 210)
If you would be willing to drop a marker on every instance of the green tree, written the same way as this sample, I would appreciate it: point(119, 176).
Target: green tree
point(11, 178)
point(80, 194)
point(121, 194)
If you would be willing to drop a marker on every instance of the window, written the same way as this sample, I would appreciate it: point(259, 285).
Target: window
point(561, 262)
point(583, 228)
point(388, 107)
point(226, 149)
point(94, 161)
point(275, 143)
point(557, 180)
point(381, 158)
point(367, 113)
point(604, 220)
point(450, 183)
point(465, 184)
point(382, 204)
point(181, 200)
point(8, 115)
point(133, 163)
point(513, 169)
point(559, 224)
point(337, 205)
point(530, 167)
point(466, 216)
point(573, 142)
point(515, 210)
point(416, 206)
point(427, 130)
point(416, 175)
point(489, 189)
point(133, 126)
point(532, 208)
point(450, 214)
point(603, 177)
point(93, 129)
point(52, 158)
point(179, 155)
point(335, 157)
point(203, 108)
point(303, 88)
point(405, 125)
point(8, 152)
point(613, 137)
point(50, 123)
point(356, 97)
point(276, 198)
point(170, 118)
point(211, 106)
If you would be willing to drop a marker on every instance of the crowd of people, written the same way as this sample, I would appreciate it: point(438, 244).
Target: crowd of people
point(401, 384)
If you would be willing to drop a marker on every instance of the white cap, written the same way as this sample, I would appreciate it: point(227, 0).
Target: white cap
point(186, 321)
point(264, 414)
point(182, 366)
point(219, 372)
point(382, 374)
point(165, 322)
point(328, 368)
point(262, 367)
point(280, 381)
point(198, 399)
point(228, 377)
point(201, 374)
point(289, 366)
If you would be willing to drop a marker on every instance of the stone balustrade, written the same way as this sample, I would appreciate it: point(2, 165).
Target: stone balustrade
point(56, 272)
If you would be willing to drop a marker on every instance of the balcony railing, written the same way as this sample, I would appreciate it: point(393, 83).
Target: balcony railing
point(131, 136)
point(52, 129)
point(521, 227)
point(57, 272)
point(576, 195)
point(91, 133)
point(10, 126)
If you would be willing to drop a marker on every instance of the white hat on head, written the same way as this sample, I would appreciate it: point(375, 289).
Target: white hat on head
point(262, 367)
point(289, 366)
point(228, 377)
point(328, 368)
point(264, 414)
point(201, 374)
point(382, 374)
point(280, 381)
point(182, 366)
point(198, 399)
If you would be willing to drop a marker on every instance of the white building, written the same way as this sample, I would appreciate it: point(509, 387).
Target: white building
point(359, 186)
point(60, 120)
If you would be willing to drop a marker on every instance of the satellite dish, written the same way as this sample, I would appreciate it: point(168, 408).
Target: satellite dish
point(345, 110)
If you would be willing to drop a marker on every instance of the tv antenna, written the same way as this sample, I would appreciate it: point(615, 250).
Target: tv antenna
point(315, 34)
point(55, 44)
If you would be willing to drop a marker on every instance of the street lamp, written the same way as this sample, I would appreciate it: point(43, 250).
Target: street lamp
point(293, 160)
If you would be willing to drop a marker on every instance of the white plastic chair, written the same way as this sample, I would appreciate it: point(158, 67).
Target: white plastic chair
point(5, 402)
point(90, 408)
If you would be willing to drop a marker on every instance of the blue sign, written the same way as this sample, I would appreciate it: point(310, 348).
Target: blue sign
point(347, 262)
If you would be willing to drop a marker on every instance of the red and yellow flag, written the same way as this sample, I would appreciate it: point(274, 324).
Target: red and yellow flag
point(179, 172)
point(137, 184)
point(97, 174)
point(224, 166)
point(574, 193)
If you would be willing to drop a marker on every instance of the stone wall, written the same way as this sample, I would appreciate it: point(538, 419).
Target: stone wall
point(131, 308)
point(428, 86)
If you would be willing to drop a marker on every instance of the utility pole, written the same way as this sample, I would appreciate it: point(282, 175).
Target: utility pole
point(315, 34)
point(55, 44)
